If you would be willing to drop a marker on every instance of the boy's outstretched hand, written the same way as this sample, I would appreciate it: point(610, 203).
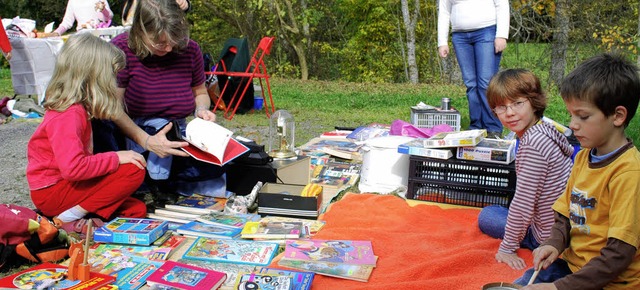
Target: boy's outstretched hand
point(544, 256)
point(512, 260)
point(132, 157)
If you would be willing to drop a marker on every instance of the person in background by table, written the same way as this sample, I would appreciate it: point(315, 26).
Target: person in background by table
point(129, 8)
point(68, 181)
point(89, 14)
point(543, 164)
point(480, 29)
point(162, 85)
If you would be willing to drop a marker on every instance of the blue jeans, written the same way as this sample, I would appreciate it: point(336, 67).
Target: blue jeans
point(558, 269)
point(475, 51)
point(492, 221)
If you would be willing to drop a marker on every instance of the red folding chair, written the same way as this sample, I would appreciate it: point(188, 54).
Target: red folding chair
point(255, 70)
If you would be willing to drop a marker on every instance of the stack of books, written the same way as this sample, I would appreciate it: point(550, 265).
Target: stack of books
point(347, 259)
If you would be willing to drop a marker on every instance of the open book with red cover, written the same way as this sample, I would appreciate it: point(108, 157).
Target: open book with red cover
point(211, 143)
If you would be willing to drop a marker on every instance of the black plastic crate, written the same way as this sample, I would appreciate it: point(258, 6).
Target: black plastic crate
point(463, 182)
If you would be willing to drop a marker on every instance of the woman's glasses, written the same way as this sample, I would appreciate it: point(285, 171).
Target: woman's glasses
point(515, 106)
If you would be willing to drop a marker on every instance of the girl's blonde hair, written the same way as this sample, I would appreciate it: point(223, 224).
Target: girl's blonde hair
point(154, 18)
point(85, 73)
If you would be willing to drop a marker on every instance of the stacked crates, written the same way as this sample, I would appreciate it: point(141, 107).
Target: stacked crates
point(427, 118)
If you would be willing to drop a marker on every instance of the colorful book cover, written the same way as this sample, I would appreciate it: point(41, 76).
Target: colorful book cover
point(261, 281)
point(311, 227)
point(232, 251)
point(158, 253)
point(225, 219)
point(300, 280)
point(135, 277)
point(455, 139)
point(52, 276)
point(352, 272)
point(183, 276)
point(231, 269)
point(317, 144)
point(334, 251)
point(199, 204)
point(336, 174)
point(272, 230)
point(198, 229)
point(137, 231)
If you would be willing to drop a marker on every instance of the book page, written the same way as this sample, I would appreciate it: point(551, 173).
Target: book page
point(208, 136)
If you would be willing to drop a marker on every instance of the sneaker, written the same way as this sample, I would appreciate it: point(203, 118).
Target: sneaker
point(77, 226)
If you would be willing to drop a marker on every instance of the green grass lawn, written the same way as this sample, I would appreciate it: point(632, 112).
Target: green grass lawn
point(319, 106)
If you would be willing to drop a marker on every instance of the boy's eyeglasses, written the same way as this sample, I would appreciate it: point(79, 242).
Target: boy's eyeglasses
point(515, 106)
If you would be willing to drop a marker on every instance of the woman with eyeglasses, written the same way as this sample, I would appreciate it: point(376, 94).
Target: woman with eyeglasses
point(543, 164)
point(162, 84)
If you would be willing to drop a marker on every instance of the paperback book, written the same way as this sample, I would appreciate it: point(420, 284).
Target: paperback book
point(211, 143)
point(334, 251)
point(455, 139)
point(272, 230)
point(177, 214)
point(300, 280)
point(231, 269)
point(198, 229)
point(198, 204)
point(187, 277)
point(169, 219)
point(263, 281)
point(137, 231)
point(232, 251)
point(310, 226)
point(158, 253)
point(352, 272)
point(227, 219)
point(52, 276)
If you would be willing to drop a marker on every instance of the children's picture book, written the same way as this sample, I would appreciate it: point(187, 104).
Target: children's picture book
point(52, 276)
point(262, 281)
point(334, 251)
point(198, 229)
point(316, 144)
point(300, 280)
point(455, 139)
point(416, 147)
point(187, 277)
point(177, 214)
point(172, 221)
point(198, 204)
point(373, 130)
point(272, 230)
point(352, 272)
point(139, 231)
point(231, 269)
point(158, 253)
point(336, 134)
point(227, 219)
point(211, 143)
point(232, 251)
point(135, 277)
point(311, 226)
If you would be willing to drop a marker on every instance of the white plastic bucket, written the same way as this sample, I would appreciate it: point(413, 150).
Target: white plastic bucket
point(383, 168)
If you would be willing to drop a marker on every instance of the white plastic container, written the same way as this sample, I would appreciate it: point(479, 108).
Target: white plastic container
point(383, 168)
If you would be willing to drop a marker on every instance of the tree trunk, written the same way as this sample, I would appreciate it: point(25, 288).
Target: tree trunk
point(410, 20)
point(560, 42)
point(292, 32)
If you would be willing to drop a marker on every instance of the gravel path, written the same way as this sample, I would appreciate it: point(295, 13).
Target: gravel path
point(13, 161)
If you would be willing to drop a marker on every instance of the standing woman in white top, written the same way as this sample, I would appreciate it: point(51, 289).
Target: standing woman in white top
point(89, 14)
point(480, 29)
point(130, 6)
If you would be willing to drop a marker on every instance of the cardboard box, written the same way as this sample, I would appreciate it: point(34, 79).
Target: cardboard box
point(32, 63)
point(490, 150)
point(455, 139)
point(285, 200)
point(415, 147)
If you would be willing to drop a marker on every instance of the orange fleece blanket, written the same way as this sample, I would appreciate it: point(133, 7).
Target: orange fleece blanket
point(418, 247)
